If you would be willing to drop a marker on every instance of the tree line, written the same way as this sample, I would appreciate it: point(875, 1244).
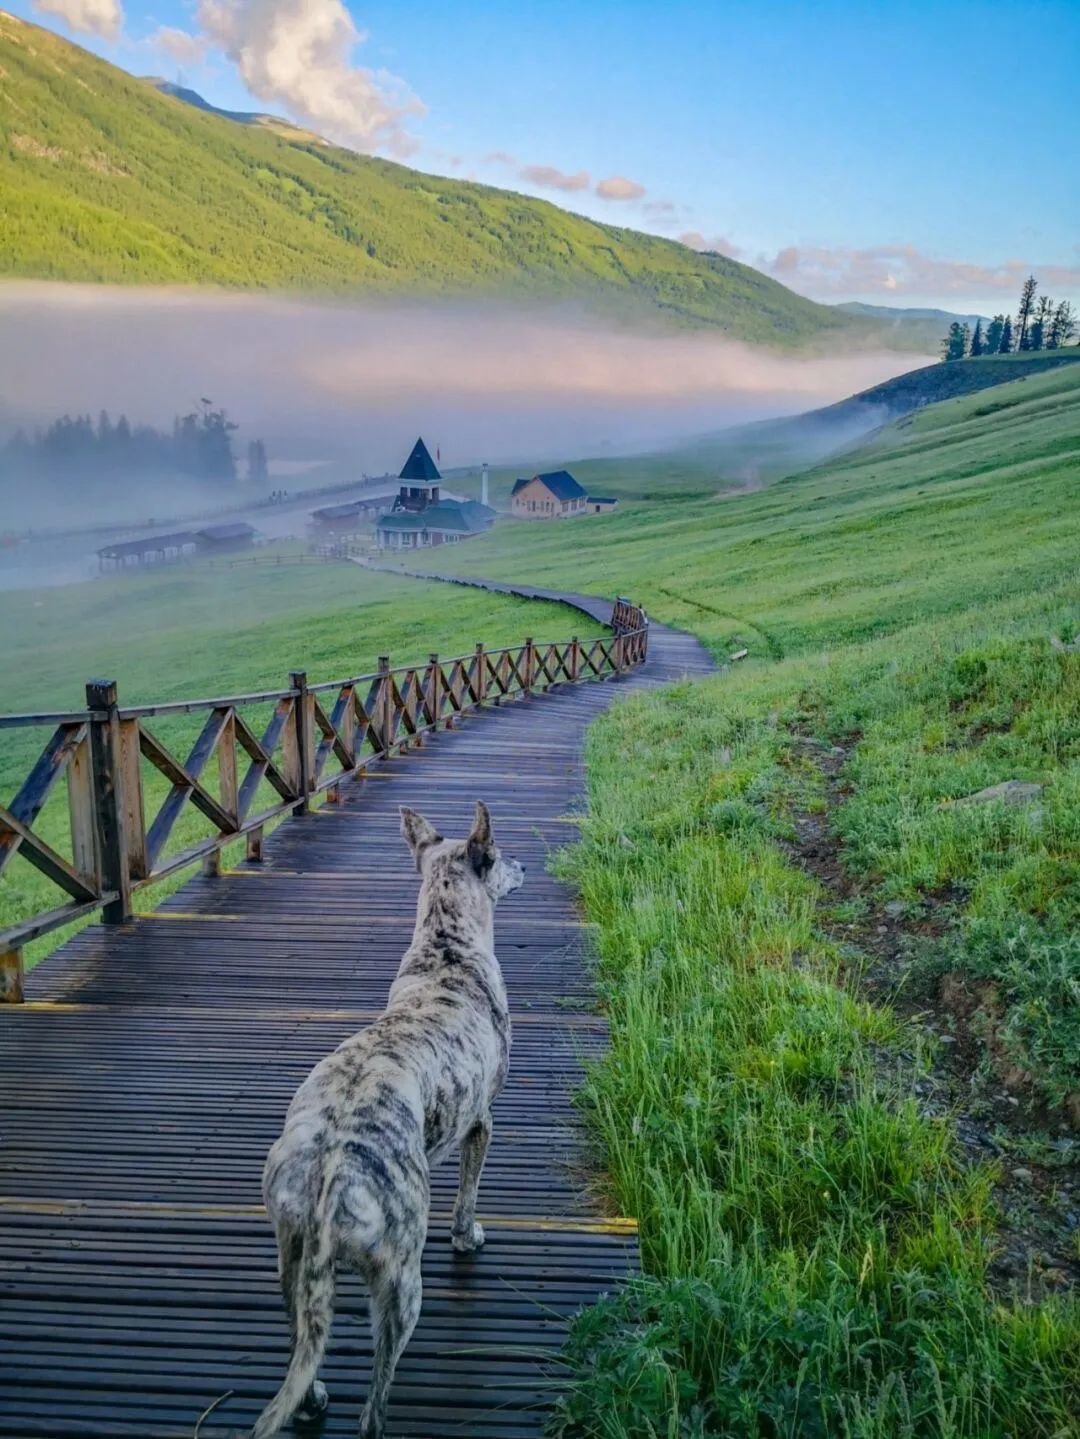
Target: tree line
point(1041, 324)
point(199, 445)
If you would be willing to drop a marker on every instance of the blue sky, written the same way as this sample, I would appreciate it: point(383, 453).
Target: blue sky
point(902, 152)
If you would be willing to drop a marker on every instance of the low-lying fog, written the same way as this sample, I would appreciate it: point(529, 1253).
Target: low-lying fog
point(355, 383)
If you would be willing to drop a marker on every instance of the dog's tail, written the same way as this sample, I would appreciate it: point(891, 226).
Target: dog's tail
point(313, 1306)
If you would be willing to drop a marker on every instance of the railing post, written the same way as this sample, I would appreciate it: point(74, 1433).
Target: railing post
point(481, 673)
point(109, 802)
point(575, 659)
point(302, 713)
point(386, 700)
point(11, 976)
point(530, 660)
point(436, 697)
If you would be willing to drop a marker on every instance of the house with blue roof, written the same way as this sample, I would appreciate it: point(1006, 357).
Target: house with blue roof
point(553, 496)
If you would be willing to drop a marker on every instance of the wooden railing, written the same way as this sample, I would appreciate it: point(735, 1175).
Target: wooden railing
point(316, 736)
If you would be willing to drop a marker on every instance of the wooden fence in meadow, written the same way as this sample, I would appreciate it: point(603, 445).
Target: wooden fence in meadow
point(317, 736)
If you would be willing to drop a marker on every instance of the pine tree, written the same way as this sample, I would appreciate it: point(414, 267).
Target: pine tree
point(1062, 326)
point(955, 342)
point(1044, 314)
point(1005, 347)
point(993, 335)
point(1023, 315)
point(977, 344)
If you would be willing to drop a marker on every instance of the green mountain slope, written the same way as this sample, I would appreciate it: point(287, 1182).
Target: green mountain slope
point(103, 178)
point(770, 449)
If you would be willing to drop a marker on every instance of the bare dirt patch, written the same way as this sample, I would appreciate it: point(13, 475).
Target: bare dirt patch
point(970, 1082)
point(29, 146)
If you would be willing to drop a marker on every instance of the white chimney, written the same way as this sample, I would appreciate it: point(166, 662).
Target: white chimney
point(483, 484)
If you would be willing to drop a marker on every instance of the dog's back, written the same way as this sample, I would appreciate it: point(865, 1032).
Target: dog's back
point(348, 1180)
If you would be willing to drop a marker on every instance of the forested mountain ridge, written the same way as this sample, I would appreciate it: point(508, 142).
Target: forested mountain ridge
point(103, 178)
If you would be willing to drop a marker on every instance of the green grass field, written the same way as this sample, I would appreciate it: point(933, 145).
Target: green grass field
point(199, 632)
point(824, 1256)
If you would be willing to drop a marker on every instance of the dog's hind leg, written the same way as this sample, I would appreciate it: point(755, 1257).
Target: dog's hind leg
point(396, 1291)
point(465, 1234)
point(290, 1245)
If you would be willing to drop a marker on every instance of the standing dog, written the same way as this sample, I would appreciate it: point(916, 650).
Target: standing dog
point(348, 1181)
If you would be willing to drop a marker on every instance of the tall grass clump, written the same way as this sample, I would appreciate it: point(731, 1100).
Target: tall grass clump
point(815, 1257)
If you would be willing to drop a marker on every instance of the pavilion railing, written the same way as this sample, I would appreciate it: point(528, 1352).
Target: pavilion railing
point(255, 758)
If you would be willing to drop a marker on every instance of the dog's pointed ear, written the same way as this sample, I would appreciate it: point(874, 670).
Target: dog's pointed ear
point(481, 844)
point(418, 833)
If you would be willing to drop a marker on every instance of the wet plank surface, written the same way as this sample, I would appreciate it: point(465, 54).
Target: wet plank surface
point(150, 1071)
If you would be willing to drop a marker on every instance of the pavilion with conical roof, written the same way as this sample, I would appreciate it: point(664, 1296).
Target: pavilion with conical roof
point(419, 481)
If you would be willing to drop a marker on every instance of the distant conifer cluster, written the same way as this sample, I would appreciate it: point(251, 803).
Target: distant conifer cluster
point(1040, 325)
point(199, 445)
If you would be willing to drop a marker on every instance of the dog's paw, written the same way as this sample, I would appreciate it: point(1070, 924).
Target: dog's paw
point(469, 1243)
point(315, 1402)
point(371, 1426)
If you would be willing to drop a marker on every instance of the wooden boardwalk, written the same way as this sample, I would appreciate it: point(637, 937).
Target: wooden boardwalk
point(150, 1069)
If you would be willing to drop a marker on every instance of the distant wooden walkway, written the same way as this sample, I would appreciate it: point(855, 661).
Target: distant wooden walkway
point(150, 1069)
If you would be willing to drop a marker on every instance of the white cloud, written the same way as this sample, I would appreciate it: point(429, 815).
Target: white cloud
point(904, 270)
point(185, 49)
point(548, 178)
point(95, 17)
point(618, 187)
point(298, 54)
point(721, 244)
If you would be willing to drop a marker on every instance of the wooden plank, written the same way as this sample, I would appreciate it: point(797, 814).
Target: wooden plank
point(84, 853)
point(131, 798)
point(261, 753)
point(186, 786)
point(109, 809)
point(11, 975)
point(35, 790)
point(226, 752)
point(303, 738)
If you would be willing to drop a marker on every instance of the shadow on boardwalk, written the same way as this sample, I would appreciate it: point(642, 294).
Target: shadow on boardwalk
point(150, 1069)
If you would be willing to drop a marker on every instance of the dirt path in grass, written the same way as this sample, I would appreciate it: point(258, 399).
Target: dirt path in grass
point(1035, 1152)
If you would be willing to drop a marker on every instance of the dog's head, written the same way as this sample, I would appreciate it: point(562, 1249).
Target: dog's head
point(478, 856)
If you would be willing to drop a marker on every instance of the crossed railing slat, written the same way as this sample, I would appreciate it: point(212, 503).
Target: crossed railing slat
point(317, 736)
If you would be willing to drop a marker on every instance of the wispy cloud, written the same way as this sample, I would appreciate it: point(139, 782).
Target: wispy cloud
point(896, 270)
point(91, 17)
point(185, 49)
point(721, 244)
point(498, 157)
point(299, 54)
point(547, 177)
point(618, 187)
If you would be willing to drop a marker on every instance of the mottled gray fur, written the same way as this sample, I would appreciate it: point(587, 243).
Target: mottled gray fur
point(348, 1181)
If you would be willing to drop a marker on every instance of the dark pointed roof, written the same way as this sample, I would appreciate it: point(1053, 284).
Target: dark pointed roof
point(420, 465)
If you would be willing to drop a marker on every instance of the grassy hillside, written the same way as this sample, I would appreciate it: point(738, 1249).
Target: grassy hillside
point(843, 1089)
point(983, 484)
point(102, 178)
point(750, 456)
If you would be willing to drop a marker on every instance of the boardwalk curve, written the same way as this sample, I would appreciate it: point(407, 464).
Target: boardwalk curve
point(150, 1067)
